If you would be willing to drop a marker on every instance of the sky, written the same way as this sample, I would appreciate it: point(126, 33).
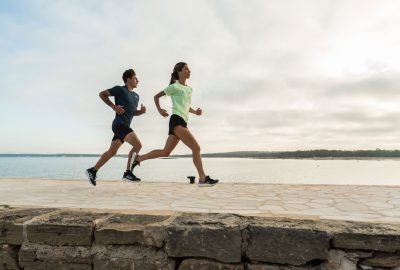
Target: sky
point(269, 75)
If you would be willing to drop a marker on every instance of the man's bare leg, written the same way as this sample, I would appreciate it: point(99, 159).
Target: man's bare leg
point(112, 151)
point(92, 172)
point(133, 140)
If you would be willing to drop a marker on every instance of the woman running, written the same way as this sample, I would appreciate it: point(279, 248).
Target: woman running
point(181, 95)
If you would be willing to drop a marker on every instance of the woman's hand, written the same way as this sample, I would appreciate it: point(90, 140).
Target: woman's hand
point(199, 111)
point(118, 109)
point(163, 112)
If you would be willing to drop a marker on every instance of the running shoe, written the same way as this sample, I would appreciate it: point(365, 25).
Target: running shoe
point(91, 174)
point(129, 176)
point(208, 182)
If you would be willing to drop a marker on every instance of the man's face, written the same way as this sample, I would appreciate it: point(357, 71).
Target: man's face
point(133, 82)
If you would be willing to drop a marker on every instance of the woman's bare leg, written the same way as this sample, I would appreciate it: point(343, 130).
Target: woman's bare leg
point(189, 140)
point(170, 145)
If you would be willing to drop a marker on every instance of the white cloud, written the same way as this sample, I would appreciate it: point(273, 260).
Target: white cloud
point(269, 75)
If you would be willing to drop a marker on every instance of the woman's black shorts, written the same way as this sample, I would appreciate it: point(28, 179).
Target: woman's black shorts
point(120, 132)
point(175, 121)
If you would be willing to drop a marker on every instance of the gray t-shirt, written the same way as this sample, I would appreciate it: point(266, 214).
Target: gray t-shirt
point(129, 100)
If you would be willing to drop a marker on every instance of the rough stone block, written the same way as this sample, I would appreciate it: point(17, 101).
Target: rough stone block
point(284, 241)
point(147, 230)
point(130, 257)
point(127, 264)
point(113, 263)
point(368, 236)
point(12, 220)
point(383, 260)
point(73, 228)
point(193, 264)
point(27, 253)
point(339, 260)
point(9, 257)
point(359, 254)
point(4, 208)
point(280, 267)
point(214, 236)
point(38, 265)
point(59, 254)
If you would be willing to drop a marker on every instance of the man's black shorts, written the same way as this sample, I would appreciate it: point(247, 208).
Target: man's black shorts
point(175, 121)
point(120, 132)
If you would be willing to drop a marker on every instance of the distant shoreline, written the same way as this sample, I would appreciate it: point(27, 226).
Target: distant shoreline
point(310, 154)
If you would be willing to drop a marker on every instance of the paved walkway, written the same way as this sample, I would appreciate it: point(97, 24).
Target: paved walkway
point(358, 203)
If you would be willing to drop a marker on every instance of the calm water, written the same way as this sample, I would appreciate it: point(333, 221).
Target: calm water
point(287, 171)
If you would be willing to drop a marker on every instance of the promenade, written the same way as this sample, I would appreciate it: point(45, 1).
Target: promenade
point(379, 204)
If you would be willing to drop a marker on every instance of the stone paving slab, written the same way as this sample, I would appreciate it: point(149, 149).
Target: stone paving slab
point(379, 204)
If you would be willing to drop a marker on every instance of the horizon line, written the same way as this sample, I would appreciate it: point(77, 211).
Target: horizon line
point(226, 152)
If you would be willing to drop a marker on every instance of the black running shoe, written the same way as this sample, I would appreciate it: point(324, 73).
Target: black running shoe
point(135, 163)
point(208, 182)
point(91, 174)
point(129, 176)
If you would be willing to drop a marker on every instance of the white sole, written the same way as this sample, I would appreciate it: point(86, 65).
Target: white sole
point(206, 185)
point(129, 181)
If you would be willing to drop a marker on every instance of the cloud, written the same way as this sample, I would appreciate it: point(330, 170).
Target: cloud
point(383, 85)
point(268, 75)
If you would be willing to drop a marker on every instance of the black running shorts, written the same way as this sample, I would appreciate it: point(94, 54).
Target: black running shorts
point(175, 121)
point(120, 132)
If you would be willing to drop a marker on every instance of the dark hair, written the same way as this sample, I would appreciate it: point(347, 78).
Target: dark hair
point(129, 73)
point(174, 75)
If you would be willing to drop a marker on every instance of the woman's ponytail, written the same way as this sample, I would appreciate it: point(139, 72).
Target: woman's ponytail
point(174, 77)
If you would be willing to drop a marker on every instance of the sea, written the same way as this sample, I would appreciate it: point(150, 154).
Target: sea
point(227, 170)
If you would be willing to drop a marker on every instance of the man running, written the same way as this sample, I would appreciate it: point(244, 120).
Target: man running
point(125, 107)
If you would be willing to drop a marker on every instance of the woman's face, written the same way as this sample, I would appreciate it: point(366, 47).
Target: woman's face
point(185, 72)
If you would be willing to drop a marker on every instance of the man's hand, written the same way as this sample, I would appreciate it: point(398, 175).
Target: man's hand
point(163, 112)
point(118, 109)
point(142, 109)
point(199, 111)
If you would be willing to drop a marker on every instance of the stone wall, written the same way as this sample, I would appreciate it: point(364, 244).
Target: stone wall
point(48, 238)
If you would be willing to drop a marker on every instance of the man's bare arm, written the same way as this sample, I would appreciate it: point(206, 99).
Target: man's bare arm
point(104, 95)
